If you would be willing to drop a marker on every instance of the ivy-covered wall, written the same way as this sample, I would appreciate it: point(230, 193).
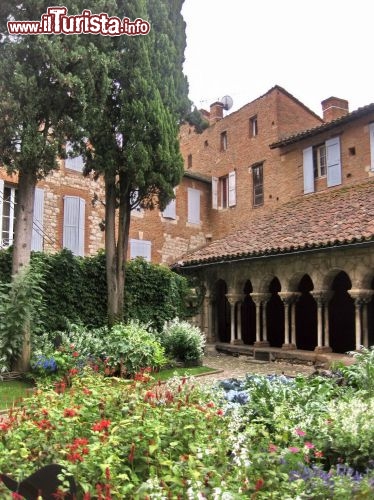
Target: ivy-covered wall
point(75, 290)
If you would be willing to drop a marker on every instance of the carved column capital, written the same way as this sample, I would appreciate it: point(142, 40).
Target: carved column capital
point(260, 298)
point(233, 298)
point(322, 296)
point(360, 295)
point(289, 297)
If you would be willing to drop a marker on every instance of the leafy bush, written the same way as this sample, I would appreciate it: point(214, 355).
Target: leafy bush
point(126, 348)
point(21, 311)
point(183, 341)
point(75, 290)
point(360, 374)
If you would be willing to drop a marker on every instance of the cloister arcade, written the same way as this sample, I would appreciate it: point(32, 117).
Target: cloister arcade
point(321, 301)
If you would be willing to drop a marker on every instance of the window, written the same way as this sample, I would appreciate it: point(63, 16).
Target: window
point(224, 191)
point(140, 248)
point(8, 201)
point(37, 237)
point(322, 158)
point(371, 132)
point(170, 209)
point(189, 161)
point(223, 141)
point(76, 163)
point(73, 230)
point(253, 126)
point(193, 215)
point(258, 185)
point(319, 161)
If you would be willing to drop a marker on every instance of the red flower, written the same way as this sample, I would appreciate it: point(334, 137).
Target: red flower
point(70, 412)
point(210, 404)
point(74, 457)
point(75, 354)
point(220, 412)
point(318, 454)
point(101, 426)
point(74, 371)
point(149, 395)
point(43, 424)
point(259, 484)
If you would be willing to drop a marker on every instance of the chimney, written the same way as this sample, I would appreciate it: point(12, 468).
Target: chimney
point(216, 112)
point(334, 108)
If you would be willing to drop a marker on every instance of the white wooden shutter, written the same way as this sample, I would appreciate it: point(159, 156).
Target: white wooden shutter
point(334, 169)
point(193, 206)
point(308, 170)
point(1, 211)
point(215, 193)
point(170, 211)
point(141, 248)
point(76, 163)
point(232, 189)
point(371, 132)
point(73, 234)
point(37, 224)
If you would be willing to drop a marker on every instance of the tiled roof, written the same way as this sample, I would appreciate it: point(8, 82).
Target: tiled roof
point(334, 218)
point(358, 113)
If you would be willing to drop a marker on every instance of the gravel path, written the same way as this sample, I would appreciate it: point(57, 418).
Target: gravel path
point(239, 366)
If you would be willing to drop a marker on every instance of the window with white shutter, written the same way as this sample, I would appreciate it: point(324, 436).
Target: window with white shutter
point(73, 232)
point(75, 163)
point(37, 224)
point(193, 206)
point(232, 189)
point(371, 132)
point(308, 170)
point(334, 169)
point(170, 211)
point(141, 248)
point(8, 200)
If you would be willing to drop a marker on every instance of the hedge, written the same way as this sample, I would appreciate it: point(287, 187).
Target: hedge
point(75, 290)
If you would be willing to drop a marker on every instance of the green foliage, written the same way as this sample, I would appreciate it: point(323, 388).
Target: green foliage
point(124, 348)
point(183, 341)
point(196, 119)
point(360, 374)
point(21, 307)
point(75, 290)
point(154, 293)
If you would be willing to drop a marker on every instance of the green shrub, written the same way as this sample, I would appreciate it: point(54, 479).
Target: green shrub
point(21, 309)
point(183, 341)
point(126, 347)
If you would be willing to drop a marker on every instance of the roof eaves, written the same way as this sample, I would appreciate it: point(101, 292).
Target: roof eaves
point(197, 177)
point(358, 113)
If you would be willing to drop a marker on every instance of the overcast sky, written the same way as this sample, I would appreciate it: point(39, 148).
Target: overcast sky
point(313, 48)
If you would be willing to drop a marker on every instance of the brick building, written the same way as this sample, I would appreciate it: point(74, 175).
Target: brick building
point(291, 264)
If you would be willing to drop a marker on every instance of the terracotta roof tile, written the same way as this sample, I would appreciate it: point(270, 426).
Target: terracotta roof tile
point(337, 217)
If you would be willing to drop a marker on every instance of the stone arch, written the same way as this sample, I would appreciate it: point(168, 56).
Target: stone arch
point(341, 314)
point(248, 315)
point(306, 315)
point(221, 311)
point(275, 314)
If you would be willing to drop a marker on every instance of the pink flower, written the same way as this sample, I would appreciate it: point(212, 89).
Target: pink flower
point(309, 445)
point(318, 454)
point(272, 448)
point(294, 449)
point(299, 432)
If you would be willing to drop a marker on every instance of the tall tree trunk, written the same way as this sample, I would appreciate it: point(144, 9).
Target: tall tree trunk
point(123, 240)
point(24, 212)
point(110, 248)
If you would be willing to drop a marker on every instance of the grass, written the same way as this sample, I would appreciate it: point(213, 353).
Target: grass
point(181, 372)
point(12, 391)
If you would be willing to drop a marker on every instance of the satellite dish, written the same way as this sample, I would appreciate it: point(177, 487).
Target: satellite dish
point(227, 102)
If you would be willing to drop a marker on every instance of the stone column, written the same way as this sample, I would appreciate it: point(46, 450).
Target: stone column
point(234, 299)
point(260, 300)
point(287, 298)
point(322, 298)
point(296, 297)
point(208, 318)
point(361, 297)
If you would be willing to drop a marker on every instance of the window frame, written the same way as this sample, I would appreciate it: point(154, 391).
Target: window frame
point(258, 187)
point(253, 126)
point(223, 141)
point(319, 161)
